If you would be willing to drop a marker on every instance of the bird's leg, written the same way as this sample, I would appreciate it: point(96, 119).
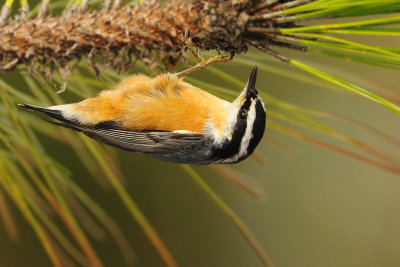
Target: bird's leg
point(196, 53)
point(202, 62)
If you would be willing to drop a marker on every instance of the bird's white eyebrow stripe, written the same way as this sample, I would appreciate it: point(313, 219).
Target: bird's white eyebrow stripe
point(251, 116)
point(262, 102)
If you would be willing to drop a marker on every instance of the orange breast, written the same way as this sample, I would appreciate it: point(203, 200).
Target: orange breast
point(161, 103)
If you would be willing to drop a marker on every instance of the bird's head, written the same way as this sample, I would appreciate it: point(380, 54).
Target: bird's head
point(245, 124)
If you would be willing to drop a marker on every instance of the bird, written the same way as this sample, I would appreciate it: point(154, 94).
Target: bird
point(168, 119)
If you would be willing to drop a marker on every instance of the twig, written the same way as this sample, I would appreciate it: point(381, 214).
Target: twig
point(24, 12)
point(44, 6)
point(204, 63)
point(84, 5)
point(117, 4)
point(290, 4)
point(262, 6)
point(266, 16)
point(106, 5)
point(273, 53)
point(287, 19)
point(4, 14)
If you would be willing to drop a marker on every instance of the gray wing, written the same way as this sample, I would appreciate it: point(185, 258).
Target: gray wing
point(179, 147)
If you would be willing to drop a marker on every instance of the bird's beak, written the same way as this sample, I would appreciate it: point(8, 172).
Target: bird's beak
point(251, 84)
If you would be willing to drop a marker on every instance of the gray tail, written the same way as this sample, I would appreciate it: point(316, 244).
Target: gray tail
point(56, 114)
point(69, 125)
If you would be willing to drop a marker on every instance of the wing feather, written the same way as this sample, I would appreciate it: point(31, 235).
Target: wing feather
point(180, 147)
point(175, 146)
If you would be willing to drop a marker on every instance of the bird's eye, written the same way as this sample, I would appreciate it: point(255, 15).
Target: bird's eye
point(242, 114)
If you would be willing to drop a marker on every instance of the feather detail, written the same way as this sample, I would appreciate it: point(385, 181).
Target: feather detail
point(176, 146)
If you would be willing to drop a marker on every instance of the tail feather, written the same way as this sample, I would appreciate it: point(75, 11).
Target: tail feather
point(69, 125)
point(56, 114)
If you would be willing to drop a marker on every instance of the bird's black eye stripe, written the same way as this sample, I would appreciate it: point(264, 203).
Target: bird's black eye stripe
point(243, 114)
point(244, 109)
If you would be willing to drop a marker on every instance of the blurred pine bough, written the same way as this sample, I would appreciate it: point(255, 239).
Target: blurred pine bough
point(84, 38)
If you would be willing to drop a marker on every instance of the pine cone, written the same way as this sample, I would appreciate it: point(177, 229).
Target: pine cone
point(148, 32)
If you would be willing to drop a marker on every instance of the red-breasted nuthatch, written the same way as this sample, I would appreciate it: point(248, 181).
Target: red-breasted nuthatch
point(169, 119)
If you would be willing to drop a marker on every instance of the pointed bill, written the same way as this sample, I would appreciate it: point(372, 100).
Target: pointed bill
point(251, 84)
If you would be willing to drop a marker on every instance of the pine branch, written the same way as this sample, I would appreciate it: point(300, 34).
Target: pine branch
point(149, 32)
